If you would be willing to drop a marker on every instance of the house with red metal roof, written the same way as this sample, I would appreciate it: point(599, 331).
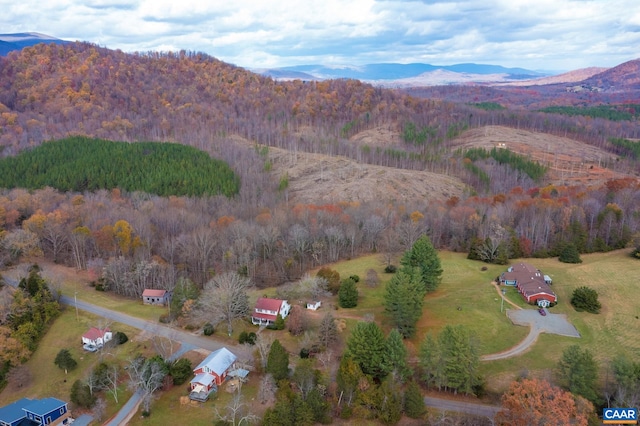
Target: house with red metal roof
point(531, 283)
point(97, 337)
point(267, 310)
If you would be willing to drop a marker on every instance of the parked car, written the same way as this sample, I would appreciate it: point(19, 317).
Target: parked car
point(90, 348)
point(542, 311)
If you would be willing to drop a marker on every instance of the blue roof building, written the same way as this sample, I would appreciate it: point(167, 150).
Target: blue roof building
point(35, 412)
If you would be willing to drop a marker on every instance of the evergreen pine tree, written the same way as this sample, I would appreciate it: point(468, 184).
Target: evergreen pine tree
point(570, 254)
point(278, 361)
point(348, 294)
point(397, 356)
point(65, 361)
point(424, 257)
point(403, 300)
point(413, 401)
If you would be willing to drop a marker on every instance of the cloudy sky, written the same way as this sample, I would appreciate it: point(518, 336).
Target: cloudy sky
point(535, 34)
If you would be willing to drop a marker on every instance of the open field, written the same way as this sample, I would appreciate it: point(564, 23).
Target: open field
point(168, 406)
point(40, 377)
point(72, 282)
point(465, 296)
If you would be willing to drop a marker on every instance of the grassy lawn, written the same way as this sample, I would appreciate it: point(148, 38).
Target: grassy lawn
point(168, 406)
point(465, 297)
point(40, 376)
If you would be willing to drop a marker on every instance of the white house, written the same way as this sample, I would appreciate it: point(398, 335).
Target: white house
point(267, 310)
point(314, 305)
point(96, 337)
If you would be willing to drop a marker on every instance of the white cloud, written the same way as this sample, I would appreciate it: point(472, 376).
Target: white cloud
point(538, 34)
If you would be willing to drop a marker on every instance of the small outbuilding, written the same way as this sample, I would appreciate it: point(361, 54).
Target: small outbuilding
point(156, 297)
point(314, 306)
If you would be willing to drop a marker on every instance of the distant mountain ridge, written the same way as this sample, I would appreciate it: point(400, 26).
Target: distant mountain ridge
point(395, 71)
point(18, 41)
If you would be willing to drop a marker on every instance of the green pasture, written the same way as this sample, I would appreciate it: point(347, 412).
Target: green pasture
point(41, 378)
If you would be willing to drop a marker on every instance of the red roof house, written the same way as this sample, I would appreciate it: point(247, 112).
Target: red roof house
point(96, 337)
point(531, 283)
point(267, 310)
point(156, 297)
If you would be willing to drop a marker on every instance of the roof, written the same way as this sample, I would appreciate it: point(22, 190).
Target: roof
point(521, 271)
point(44, 406)
point(532, 288)
point(12, 412)
point(149, 292)
point(259, 315)
point(239, 372)
point(268, 304)
point(218, 361)
point(95, 333)
point(203, 379)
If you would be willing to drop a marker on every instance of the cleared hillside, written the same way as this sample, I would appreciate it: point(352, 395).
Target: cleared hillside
point(569, 161)
point(318, 179)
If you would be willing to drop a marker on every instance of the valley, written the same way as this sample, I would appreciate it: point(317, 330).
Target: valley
point(433, 190)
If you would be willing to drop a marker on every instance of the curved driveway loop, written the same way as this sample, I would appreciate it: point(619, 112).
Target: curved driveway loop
point(550, 323)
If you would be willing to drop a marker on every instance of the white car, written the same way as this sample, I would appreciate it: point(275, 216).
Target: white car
point(89, 347)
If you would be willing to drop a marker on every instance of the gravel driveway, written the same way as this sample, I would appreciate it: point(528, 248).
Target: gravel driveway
point(550, 323)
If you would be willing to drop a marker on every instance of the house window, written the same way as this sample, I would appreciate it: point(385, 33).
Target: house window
point(62, 411)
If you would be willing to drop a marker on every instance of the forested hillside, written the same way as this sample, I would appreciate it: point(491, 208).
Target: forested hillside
point(50, 92)
point(82, 164)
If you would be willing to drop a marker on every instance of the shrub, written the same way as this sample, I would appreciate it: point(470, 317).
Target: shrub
point(570, 254)
point(304, 353)
point(208, 329)
point(585, 299)
point(355, 278)
point(390, 269)
point(332, 277)
point(164, 319)
point(249, 338)
point(278, 325)
point(120, 338)
point(81, 395)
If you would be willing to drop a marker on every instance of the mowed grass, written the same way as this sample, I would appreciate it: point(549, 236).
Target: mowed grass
point(74, 283)
point(467, 297)
point(44, 378)
point(168, 406)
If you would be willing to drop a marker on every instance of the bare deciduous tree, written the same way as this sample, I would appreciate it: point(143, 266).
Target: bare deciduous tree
point(225, 299)
point(237, 412)
point(146, 377)
point(267, 390)
point(263, 346)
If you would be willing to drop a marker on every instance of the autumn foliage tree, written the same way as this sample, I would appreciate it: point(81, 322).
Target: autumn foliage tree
point(536, 402)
